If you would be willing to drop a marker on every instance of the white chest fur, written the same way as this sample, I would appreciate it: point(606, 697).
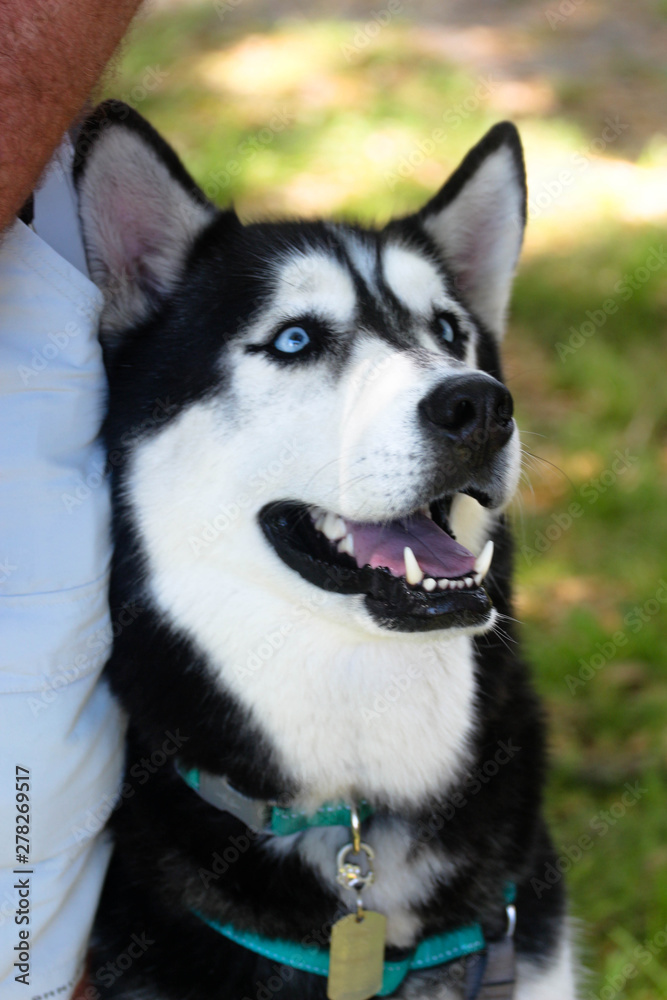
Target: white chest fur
point(377, 717)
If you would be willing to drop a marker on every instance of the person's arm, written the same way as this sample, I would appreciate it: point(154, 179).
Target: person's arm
point(52, 53)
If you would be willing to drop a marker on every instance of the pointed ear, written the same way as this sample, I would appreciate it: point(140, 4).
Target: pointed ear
point(477, 221)
point(140, 213)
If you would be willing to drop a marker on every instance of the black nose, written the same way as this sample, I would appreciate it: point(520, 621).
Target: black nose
point(470, 411)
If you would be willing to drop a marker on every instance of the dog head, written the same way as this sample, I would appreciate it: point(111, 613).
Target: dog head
point(306, 407)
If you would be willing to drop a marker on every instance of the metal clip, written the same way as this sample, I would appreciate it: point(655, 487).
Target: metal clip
point(350, 874)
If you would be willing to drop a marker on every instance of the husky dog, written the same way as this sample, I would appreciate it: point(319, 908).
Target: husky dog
point(312, 450)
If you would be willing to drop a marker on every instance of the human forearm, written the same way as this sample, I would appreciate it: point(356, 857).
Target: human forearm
point(52, 53)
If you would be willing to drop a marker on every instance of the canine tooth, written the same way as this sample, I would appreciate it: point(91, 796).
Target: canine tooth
point(444, 584)
point(347, 545)
point(333, 526)
point(483, 560)
point(428, 583)
point(478, 579)
point(413, 573)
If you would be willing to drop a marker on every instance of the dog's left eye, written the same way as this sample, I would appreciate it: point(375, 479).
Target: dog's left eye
point(291, 340)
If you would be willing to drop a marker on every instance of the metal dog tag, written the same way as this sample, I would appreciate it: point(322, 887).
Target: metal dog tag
point(356, 957)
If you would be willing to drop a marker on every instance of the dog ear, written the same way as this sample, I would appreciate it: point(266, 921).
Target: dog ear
point(140, 213)
point(477, 222)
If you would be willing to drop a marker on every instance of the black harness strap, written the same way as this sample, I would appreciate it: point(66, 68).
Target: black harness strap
point(491, 975)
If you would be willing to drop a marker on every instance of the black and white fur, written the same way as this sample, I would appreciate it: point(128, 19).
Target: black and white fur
point(206, 422)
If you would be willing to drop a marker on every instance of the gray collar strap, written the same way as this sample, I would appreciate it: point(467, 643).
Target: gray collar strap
point(264, 815)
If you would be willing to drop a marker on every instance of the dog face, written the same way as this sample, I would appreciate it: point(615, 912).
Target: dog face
point(334, 409)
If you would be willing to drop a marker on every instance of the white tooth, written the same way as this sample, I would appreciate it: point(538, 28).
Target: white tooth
point(428, 583)
point(469, 521)
point(468, 581)
point(443, 584)
point(413, 573)
point(459, 584)
point(478, 579)
point(426, 510)
point(483, 560)
point(347, 545)
point(333, 526)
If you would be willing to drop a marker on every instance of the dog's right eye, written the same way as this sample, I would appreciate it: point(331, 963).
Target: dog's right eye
point(292, 340)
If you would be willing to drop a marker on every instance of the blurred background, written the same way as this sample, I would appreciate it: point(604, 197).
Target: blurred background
point(288, 107)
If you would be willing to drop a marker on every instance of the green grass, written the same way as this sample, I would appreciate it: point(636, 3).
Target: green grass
point(352, 123)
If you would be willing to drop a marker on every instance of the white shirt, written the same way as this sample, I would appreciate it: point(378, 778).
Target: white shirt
point(56, 719)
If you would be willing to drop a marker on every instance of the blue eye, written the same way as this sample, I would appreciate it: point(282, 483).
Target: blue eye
point(448, 329)
point(291, 340)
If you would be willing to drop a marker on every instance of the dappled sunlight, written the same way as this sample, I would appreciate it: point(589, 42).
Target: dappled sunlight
point(336, 71)
point(587, 189)
point(278, 64)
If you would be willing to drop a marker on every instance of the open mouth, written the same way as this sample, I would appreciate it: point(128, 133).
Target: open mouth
point(414, 574)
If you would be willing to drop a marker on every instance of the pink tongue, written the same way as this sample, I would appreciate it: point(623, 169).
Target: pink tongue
point(437, 553)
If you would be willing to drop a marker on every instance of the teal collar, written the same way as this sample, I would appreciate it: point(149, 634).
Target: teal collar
point(436, 950)
point(264, 816)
